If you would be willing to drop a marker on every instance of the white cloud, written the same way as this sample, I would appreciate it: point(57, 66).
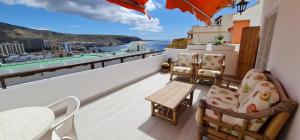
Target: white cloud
point(98, 10)
point(152, 5)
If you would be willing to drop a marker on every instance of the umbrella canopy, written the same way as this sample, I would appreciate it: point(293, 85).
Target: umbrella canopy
point(202, 9)
point(138, 5)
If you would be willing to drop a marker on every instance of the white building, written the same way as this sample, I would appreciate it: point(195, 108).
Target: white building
point(11, 48)
point(229, 26)
point(67, 47)
point(207, 34)
point(136, 46)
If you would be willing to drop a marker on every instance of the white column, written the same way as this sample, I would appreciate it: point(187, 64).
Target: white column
point(1, 49)
point(6, 49)
point(23, 49)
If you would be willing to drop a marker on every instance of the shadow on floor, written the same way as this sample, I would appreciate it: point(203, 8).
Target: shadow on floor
point(161, 129)
point(186, 128)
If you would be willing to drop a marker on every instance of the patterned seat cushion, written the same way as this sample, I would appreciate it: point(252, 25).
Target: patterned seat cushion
point(211, 73)
point(261, 98)
point(182, 69)
point(222, 98)
point(212, 61)
point(220, 104)
point(187, 59)
point(249, 82)
point(223, 95)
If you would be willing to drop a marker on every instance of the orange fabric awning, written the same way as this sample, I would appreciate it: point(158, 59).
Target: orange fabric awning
point(202, 9)
point(138, 5)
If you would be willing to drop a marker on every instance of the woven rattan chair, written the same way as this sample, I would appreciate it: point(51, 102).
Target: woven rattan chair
point(210, 66)
point(184, 65)
point(260, 116)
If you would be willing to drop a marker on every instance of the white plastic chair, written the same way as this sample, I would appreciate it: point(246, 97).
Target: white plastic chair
point(63, 128)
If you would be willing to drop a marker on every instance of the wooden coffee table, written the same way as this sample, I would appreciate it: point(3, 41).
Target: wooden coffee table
point(171, 100)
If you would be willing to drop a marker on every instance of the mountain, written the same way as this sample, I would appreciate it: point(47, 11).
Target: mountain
point(10, 32)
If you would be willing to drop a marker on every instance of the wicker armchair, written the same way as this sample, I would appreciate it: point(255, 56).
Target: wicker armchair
point(260, 115)
point(184, 66)
point(210, 66)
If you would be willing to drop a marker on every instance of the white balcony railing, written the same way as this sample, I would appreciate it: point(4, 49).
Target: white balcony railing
point(86, 85)
point(91, 84)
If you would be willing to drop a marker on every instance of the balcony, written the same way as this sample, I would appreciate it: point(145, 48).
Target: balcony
point(112, 101)
point(126, 114)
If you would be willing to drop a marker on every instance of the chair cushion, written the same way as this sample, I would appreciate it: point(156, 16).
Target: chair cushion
point(222, 98)
point(211, 73)
point(212, 61)
point(213, 114)
point(227, 119)
point(249, 82)
point(187, 59)
point(223, 95)
point(182, 69)
point(264, 96)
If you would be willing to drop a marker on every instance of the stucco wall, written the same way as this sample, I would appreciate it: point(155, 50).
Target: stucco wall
point(207, 34)
point(237, 29)
point(284, 55)
point(209, 37)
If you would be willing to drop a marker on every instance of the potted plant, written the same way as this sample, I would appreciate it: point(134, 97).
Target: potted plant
point(219, 44)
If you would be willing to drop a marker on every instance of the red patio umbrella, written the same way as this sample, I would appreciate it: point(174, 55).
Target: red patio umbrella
point(202, 9)
point(138, 5)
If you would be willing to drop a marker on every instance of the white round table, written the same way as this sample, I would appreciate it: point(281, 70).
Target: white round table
point(28, 123)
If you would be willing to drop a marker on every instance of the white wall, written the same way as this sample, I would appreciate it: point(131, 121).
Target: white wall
point(253, 13)
point(205, 34)
point(284, 55)
point(208, 37)
point(227, 21)
point(84, 85)
point(231, 59)
point(45, 75)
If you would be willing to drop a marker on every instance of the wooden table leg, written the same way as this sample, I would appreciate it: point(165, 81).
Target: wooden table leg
point(174, 117)
point(191, 98)
point(152, 109)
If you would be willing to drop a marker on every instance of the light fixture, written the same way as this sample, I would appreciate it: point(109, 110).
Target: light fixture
point(241, 6)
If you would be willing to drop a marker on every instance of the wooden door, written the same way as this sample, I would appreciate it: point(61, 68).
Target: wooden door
point(248, 50)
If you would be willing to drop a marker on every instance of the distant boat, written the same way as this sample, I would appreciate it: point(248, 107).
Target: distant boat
point(135, 46)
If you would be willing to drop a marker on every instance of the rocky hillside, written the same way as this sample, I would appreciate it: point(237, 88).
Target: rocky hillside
point(180, 43)
point(10, 32)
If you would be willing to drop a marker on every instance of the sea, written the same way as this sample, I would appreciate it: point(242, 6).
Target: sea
point(155, 45)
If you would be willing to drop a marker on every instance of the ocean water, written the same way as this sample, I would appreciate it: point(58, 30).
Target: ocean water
point(156, 45)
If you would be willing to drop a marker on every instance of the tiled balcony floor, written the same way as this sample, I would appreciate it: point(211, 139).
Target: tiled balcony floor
point(125, 115)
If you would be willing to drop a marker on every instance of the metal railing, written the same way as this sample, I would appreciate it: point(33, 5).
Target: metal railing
point(3, 77)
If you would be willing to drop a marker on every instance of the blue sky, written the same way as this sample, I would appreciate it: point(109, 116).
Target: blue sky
point(165, 24)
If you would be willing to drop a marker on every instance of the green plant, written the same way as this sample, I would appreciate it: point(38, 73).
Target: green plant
point(219, 40)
